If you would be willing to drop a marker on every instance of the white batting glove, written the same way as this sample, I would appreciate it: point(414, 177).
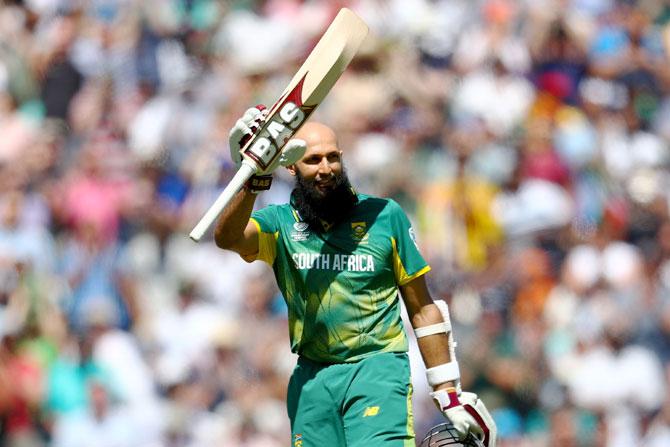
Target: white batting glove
point(246, 126)
point(243, 129)
point(292, 151)
point(468, 414)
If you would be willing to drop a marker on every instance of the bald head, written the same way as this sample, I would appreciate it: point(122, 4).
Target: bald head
point(316, 134)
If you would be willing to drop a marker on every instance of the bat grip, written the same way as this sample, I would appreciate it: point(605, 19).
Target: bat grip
point(246, 170)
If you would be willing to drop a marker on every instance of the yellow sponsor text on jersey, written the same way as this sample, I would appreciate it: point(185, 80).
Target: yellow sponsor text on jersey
point(371, 411)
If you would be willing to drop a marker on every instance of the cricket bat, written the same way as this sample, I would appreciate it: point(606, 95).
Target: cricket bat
point(307, 89)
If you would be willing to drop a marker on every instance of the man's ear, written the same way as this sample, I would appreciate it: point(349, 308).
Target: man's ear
point(291, 170)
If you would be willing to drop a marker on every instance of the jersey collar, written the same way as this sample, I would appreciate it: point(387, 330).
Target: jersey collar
point(326, 226)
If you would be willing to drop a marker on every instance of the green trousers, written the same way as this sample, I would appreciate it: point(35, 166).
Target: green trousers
point(367, 403)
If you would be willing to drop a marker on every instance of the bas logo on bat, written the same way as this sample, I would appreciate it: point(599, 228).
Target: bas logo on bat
point(280, 126)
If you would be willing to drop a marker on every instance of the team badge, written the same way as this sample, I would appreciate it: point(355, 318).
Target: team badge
point(359, 232)
point(297, 440)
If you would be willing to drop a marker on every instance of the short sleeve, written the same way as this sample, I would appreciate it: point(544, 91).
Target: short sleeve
point(267, 224)
point(408, 263)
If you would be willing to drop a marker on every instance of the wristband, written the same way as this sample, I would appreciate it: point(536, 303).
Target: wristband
point(258, 183)
point(438, 328)
point(447, 372)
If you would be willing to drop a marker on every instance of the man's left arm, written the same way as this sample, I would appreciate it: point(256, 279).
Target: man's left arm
point(423, 312)
point(432, 327)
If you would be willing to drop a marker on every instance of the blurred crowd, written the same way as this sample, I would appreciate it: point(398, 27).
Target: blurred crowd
point(528, 141)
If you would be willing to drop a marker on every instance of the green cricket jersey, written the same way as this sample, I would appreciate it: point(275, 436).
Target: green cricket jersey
point(341, 285)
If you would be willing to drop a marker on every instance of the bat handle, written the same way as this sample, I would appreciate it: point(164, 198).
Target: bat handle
point(246, 170)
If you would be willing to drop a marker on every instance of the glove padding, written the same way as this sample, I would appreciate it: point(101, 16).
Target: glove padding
point(292, 151)
point(244, 129)
point(468, 414)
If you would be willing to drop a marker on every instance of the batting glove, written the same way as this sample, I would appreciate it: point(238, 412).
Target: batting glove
point(243, 129)
point(468, 414)
point(292, 151)
point(249, 124)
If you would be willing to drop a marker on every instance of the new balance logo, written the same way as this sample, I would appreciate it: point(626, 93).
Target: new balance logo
point(371, 411)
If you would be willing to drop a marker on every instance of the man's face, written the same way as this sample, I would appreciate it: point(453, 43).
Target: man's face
point(322, 192)
point(320, 166)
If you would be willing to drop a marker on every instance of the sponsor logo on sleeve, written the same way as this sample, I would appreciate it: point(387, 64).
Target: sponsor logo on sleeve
point(412, 236)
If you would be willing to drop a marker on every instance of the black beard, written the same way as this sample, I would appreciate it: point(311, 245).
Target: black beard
point(315, 207)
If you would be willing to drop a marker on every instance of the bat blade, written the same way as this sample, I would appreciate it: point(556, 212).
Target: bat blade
point(308, 87)
point(306, 90)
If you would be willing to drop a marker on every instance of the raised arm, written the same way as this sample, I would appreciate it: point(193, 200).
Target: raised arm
point(234, 231)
